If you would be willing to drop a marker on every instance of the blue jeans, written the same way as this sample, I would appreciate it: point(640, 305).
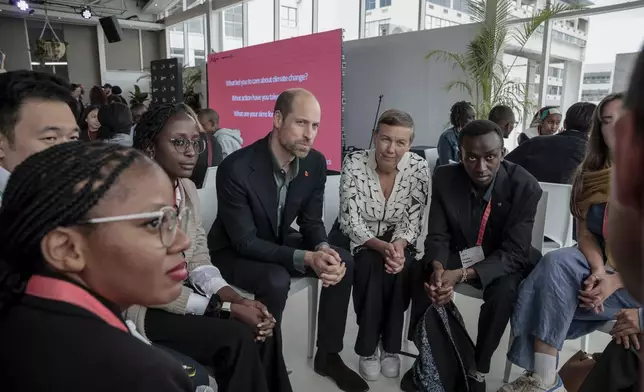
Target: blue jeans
point(548, 307)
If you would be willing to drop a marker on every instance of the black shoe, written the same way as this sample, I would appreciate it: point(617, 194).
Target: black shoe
point(332, 366)
point(407, 382)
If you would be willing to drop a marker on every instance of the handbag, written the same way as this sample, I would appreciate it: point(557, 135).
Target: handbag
point(576, 369)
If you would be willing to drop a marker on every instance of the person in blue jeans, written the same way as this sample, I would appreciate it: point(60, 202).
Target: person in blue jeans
point(461, 114)
point(573, 291)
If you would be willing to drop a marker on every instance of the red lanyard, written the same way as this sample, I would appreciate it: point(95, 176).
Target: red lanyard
point(484, 219)
point(59, 290)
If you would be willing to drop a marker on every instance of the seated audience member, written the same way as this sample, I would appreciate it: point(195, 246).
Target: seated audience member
point(461, 114)
point(503, 116)
point(261, 189)
point(115, 96)
point(138, 109)
point(572, 291)
point(383, 193)
point(67, 276)
point(209, 120)
point(97, 96)
point(556, 158)
point(480, 232)
point(545, 122)
point(34, 114)
point(230, 140)
point(193, 324)
point(625, 231)
point(89, 124)
point(116, 124)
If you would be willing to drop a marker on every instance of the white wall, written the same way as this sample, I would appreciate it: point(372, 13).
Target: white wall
point(395, 66)
point(339, 14)
point(624, 63)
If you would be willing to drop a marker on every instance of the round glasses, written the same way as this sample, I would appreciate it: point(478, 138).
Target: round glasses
point(167, 220)
point(182, 145)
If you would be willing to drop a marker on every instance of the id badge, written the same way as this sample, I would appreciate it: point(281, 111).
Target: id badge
point(471, 256)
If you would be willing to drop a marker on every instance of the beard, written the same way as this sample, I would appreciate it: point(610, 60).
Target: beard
point(299, 148)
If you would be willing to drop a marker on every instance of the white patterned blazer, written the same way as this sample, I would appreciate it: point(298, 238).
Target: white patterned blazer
point(364, 212)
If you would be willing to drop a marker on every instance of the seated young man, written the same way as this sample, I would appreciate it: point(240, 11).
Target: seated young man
point(261, 190)
point(35, 114)
point(480, 230)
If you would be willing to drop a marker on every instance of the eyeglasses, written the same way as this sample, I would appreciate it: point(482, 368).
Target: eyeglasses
point(182, 144)
point(166, 220)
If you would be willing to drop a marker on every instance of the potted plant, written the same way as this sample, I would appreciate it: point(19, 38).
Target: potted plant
point(50, 49)
point(486, 78)
point(137, 96)
point(191, 77)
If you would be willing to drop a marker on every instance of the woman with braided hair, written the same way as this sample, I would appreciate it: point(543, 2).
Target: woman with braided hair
point(193, 324)
point(87, 230)
point(461, 114)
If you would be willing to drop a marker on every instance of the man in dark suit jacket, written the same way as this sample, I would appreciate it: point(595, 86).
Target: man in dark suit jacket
point(555, 158)
point(480, 231)
point(261, 189)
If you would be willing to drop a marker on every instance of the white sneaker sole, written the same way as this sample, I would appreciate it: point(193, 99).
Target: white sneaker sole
point(391, 373)
point(369, 377)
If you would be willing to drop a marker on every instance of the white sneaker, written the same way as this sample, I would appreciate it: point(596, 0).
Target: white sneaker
point(370, 367)
point(530, 382)
point(389, 364)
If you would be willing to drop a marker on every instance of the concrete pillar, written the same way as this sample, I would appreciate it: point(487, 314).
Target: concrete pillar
point(422, 10)
point(571, 84)
point(362, 20)
point(276, 20)
point(545, 59)
point(315, 15)
point(530, 91)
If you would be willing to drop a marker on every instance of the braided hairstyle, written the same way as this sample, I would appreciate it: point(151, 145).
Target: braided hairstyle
point(54, 188)
point(459, 114)
point(153, 121)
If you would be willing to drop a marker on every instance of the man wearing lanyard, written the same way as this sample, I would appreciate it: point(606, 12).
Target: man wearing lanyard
point(480, 231)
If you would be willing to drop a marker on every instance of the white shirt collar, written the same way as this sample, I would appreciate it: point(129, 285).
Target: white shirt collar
point(4, 179)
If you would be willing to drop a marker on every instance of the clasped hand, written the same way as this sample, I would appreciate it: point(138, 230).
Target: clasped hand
point(627, 328)
point(394, 254)
point(595, 289)
point(327, 265)
point(255, 314)
point(440, 287)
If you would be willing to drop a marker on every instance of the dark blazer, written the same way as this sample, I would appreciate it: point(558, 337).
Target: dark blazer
point(247, 199)
point(199, 172)
point(508, 234)
point(552, 158)
point(54, 346)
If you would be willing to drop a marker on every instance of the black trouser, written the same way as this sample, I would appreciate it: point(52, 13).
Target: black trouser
point(197, 373)
point(616, 371)
point(227, 346)
point(270, 284)
point(499, 298)
point(379, 303)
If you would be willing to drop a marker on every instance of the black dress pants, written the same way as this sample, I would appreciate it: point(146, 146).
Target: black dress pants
point(499, 298)
point(618, 370)
point(270, 284)
point(197, 372)
point(379, 303)
point(226, 346)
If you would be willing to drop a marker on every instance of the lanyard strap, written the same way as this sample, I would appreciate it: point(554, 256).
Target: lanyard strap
point(484, 219)
point(59, 290)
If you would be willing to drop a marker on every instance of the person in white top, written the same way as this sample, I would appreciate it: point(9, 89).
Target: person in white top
point(383, 194)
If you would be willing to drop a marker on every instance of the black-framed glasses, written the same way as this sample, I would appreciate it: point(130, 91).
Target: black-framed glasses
point(168, 221)
point(182, 144)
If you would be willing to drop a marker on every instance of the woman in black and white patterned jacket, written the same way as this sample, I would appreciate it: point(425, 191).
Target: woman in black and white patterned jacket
point(383, 193)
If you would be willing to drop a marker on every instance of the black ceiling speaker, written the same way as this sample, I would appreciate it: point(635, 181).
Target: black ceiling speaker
point(111, 28)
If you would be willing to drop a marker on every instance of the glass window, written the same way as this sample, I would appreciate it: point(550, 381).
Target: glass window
point(377, 28)
point(432, 22)
point(461, 5)
point(233, 27)
point(370, 4)
point(177, 43)
point(288, 16)
point(260, 21)
point(443, 3)
point(196, 39)
point(385, 3)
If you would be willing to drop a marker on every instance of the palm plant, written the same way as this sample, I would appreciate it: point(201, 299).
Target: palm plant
point(486, 79)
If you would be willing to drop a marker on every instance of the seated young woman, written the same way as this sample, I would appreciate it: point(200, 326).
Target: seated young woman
point(87, 230)
point(573, 291)
point(196, 323)
point(383, 193)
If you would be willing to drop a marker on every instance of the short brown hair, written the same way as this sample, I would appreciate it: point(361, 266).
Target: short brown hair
point(396, 118)
point(284, 102)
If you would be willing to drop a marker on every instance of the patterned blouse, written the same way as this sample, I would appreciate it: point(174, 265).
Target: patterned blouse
point(364, 212)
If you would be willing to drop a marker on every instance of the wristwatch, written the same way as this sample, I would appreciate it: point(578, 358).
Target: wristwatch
point(217, 308)
point(225, 312)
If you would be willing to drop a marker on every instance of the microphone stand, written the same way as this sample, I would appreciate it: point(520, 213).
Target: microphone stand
point(375, 122)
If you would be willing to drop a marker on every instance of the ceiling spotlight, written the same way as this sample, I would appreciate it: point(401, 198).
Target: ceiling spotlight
point(22, 5)
point(86, 13)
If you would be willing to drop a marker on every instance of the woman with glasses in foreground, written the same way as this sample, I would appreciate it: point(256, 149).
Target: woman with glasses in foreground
point(197, 323)
point(86, 230)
